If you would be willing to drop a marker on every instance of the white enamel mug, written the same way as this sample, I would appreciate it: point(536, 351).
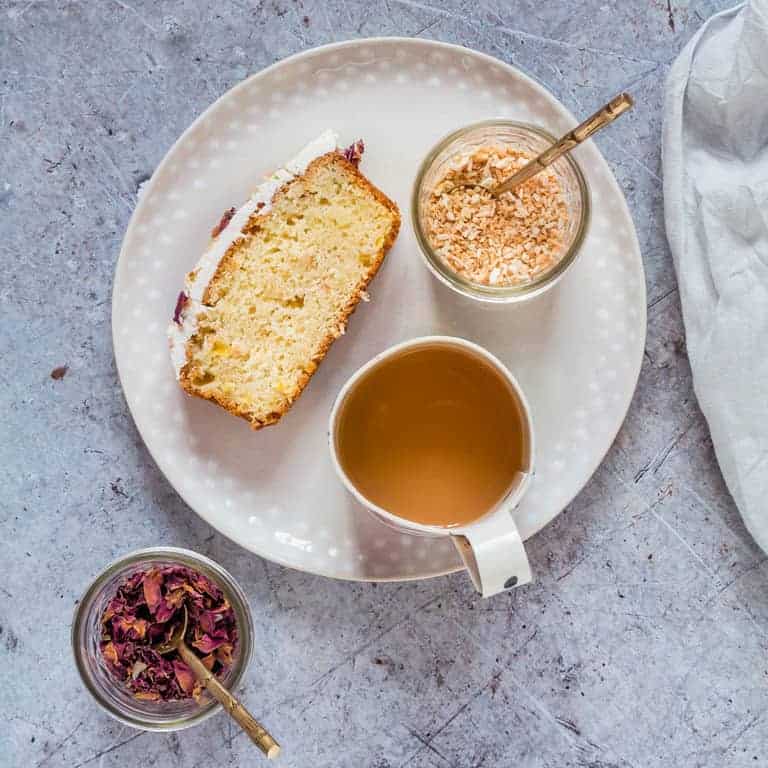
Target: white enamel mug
point(491, 547)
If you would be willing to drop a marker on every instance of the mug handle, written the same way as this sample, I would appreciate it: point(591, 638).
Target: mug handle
point(494, 554)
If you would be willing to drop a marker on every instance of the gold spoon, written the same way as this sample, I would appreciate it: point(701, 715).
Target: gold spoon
point(604, 116)
point(232, 706)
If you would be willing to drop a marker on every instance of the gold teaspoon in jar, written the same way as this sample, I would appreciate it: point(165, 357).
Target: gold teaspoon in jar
point(604, 116)
point(232, 706)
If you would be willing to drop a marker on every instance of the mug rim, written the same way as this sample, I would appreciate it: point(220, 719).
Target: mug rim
point(508, 502)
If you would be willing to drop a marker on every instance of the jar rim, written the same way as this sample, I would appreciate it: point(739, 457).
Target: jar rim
point(210, 568)
point(494, 293)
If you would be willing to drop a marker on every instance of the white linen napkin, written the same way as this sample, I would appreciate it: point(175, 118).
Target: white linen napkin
point(715, 160)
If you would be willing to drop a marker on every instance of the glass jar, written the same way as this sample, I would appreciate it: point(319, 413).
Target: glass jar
point(532, 140)
point(109, 692)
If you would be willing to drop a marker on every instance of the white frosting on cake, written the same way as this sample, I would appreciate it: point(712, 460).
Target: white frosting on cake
point(197, 280)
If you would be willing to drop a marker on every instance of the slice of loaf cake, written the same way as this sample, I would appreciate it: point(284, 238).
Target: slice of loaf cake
point(278, 282)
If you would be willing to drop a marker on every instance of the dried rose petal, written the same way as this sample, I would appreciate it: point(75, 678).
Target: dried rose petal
point(354, 152)
point(147, 695)
point(131, 585)
point(206, 643)
point(165, 611)
point(207, 621)
point(174, 598)
point(223, 222)
point(180, 303)
point(130, 627)
point(109, 652)
point(224, 654)
point(184, 676)
point(223, 608)
point(152, 594)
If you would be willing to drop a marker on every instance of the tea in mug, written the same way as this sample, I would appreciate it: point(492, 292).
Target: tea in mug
point(435, 435)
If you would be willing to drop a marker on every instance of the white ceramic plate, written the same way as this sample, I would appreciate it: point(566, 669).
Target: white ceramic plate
point(576, 351)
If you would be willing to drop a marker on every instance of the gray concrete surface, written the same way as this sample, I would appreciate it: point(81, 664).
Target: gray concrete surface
point(644, 641)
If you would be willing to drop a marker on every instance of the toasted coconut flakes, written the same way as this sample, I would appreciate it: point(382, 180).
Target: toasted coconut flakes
point(504, 241)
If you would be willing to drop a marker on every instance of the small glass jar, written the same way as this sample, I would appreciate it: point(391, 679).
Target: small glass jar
point(533, 141)
point(110, 693)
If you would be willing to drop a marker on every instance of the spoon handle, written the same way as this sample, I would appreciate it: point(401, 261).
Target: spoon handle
point(604, 116)
point(259, 736)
